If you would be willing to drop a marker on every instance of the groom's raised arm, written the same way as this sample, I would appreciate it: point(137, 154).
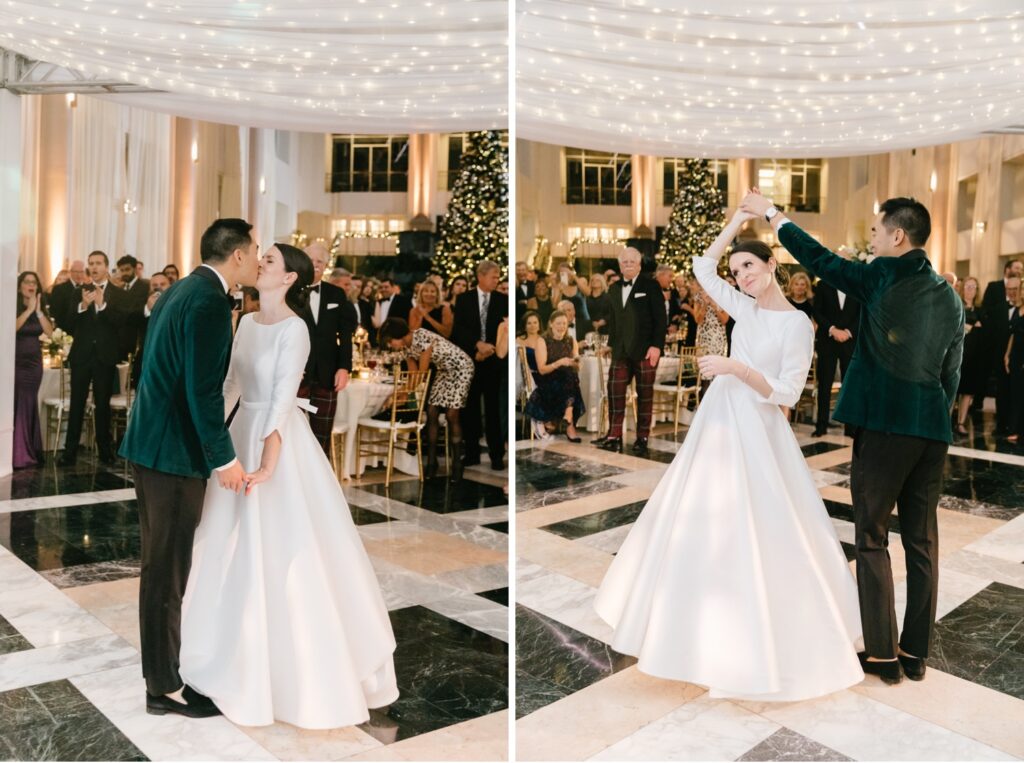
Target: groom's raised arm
point(853, 278)
point(207, 343)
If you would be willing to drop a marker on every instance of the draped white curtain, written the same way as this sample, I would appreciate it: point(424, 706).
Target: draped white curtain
point(148, 186)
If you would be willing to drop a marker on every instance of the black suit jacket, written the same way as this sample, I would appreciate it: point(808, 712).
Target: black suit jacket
point(466, 328)
point(639, 325)
point(827, 313)
point(62, 302)
point(101, 336)
point(330, 336)
point(401, 306)
point(995, 321)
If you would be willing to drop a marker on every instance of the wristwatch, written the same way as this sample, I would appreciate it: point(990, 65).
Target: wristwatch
point(770, 213)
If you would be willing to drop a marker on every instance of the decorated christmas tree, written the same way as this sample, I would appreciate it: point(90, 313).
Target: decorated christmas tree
point(475, 225)
point(697, 217)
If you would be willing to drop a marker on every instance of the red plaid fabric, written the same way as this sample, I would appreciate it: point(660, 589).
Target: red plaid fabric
point(322, 422)
point(620, 374)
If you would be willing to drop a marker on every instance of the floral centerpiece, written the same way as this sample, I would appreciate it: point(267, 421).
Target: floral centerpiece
point(57, 345)
point(861, 252)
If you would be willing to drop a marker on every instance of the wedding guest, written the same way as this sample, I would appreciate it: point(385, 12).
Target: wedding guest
point(578, 328)
point(997, 305)
point(97, 325)
point(663, 274)
point(524, 288)
point(431, 313)
point(458, 286)
point(685, 317)
point(558, 397)
point(140, 269)
point(136, 288)
point(391, 303)
point(62, 297)
point(158, 284)
point(974, 366)
point(477, 315)
point(837, 317)
point(449, 389)
point(636, 334)
point(331, 320)
point(1013, 364)
point(711, 334)
point(171, 271)
point(611, 276)
point(365, 304)
point(569, 286)
point(62, 277)
point(598, 304)
point(503, 287)
point(250, 299)
point(28, 371)
point(530, 339)
point(801, 294)
point(541, 302)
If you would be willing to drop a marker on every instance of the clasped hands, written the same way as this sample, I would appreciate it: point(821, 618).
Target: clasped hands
point(484, 350)
point(235, 479)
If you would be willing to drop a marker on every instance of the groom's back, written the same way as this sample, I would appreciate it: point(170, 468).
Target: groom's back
point(180, 390)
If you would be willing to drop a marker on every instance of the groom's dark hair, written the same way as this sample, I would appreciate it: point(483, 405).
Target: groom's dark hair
point(911, 216)
point(224, 237)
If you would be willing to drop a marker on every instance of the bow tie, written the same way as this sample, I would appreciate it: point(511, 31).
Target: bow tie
point(314, 289)
point(626, 283)
point(386, 299)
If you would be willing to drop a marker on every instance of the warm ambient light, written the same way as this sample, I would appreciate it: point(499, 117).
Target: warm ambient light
point(195, 151)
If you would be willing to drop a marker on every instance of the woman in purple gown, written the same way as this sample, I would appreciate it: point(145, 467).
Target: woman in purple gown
point(28, 371)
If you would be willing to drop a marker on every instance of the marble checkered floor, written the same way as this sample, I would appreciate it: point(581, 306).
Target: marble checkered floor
point(70, 677)
point(577, 699)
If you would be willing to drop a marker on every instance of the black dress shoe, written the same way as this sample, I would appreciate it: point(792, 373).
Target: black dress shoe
point(599, 441)
point(819, 433)
point(612, 444)
point(195, 699)
point(497, 464)
point(913, 667)
point(890, 672)
point(640, 446)
point(163, 705)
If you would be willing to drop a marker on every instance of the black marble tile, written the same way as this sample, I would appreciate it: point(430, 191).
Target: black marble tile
point(839, 510)
point(498, 595)
point(673, 436)
point(447, 672)
point(500, 527)
point(440, 496)
point(817, 448)
point(12, 641)
point(533, 693)
point(49, 539)
point(363, 516)
point(786, 744)
point(561, 656)
point(539, 470)
point(982, 640)
point(54, 721)
point(86, 476)
point(588, 524)
point(653, 454)
point(982, 436)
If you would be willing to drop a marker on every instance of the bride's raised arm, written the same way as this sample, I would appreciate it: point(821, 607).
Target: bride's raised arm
point(705, 268)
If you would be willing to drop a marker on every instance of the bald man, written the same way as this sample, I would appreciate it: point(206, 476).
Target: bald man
point(63, 298)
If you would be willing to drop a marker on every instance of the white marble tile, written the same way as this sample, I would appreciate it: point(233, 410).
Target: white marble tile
point(987, 455)
point(477, 612)
point(70, 499)
point(844, 529)
point(863, 729)
point(704, 729)
point(404, 585)
point(53, 663)
point(121, 696)
point(566, 600)
point(824, 479)
point(476, 579)
point(608, 541)
point(387, 530)
point(481, 516)
point(1006, 542)
point(985, 567)
point(647, 478)
point(666, 446)
point(527, 571)
point(38, 610)
point(287, 742)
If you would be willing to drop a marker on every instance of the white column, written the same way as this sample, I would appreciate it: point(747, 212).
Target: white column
point(10, 206)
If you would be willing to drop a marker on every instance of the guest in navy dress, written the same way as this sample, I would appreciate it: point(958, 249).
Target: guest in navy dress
point(558, 396)
point(28, 371)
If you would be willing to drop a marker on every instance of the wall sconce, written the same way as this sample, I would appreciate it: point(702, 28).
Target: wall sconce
point(72, 100)
point(876, 207)
point(934, 182)
point(263, 184)
point(981, 226)
point(195, 151)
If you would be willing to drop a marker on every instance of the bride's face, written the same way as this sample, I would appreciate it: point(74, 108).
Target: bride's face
point(272, 273)
point(752, 274)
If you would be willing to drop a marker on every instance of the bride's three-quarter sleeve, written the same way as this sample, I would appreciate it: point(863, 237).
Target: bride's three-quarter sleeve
point(292, 354)
point(798, 349)
point(231, 389)
point(726, 297)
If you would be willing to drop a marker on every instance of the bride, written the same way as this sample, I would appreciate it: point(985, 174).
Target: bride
point(732, 576)
point(283, 618)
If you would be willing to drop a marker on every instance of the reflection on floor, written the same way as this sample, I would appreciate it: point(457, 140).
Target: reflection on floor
point(70, 680)
point(578, 699)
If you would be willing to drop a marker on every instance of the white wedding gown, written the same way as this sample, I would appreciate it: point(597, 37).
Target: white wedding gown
point(733, 576)
point(283, 618)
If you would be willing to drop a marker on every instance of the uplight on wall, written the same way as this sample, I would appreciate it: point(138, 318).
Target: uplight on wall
point(263, 184)
point(195, 151)
point(980, 226)
point(934, 182)
point(72, 100)
point(876, 207)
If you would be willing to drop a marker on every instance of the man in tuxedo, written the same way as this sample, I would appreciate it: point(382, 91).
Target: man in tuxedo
point(158, 284)
point(364, 307)
point(636, 335)
point(331, 319)
point(478, 313)
point(524, 289)
point(97, 324)
point(63, 296)
point(578, 327)
point(996, 306)
point(838, 318)
point(663, 275)
point(136, 288)
point(391, 303)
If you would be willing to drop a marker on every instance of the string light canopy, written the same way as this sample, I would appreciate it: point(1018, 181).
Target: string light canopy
point(315, 65)
point(771, 78)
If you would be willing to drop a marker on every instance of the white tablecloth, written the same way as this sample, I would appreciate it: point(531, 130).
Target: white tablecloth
point(50, 388)
point(362, 397)
point(593, 386)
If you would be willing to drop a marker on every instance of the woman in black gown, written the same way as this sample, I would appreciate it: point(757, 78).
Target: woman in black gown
point(973, 368)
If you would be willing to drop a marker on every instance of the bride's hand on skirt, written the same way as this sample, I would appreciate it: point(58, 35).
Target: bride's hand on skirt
point(252, 480)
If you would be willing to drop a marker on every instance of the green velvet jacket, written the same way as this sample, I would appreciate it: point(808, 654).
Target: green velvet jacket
point(177, 421)
point(906, 361)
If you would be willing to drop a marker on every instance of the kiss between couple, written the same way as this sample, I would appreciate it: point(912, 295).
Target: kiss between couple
point(733, 576)
point(256, 599)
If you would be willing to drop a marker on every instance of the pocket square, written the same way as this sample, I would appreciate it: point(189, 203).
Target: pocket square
point(332, 305)
point(637, 295)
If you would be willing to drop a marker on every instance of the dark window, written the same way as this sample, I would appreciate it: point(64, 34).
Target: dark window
point(598, 177)
point(361, 163)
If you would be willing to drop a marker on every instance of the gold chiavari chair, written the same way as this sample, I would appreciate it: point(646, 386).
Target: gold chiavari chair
point(529, 385)
point(604, 422)
point(403, 428)
point(674, 397)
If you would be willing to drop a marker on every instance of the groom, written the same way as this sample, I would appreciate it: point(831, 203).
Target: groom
point(176, 436)
point(897, 396)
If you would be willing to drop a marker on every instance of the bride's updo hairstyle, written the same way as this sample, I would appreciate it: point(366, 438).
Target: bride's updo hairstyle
point(763, 252)
point(298, 262)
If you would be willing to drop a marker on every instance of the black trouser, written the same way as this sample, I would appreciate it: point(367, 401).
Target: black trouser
point(101, 377)
point(1016, 395)
point(896, 470)
point(829, 351)
point(170, 507)
point(485, 386)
